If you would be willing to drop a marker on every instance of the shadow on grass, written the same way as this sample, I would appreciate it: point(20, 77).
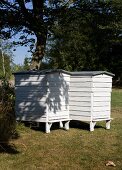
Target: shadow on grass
point(55, 126)
point(82, 125)
point(8, 148)
point(73, 124)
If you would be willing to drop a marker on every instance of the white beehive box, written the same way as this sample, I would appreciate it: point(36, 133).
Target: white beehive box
point(90, 97)
point(42, 96)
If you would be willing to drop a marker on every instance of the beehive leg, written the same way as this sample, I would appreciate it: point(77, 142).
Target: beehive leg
point(61, 124)
point(48, 126)
point(92, 125)
point(108, 124)
point(66, 125)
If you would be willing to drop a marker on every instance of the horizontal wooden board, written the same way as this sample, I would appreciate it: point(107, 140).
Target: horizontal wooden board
point(101, 80)
point(80, 79)
point(20, 103)
point(41, 89)
point(80, 108)
point(31, 112)
point(79, 94)
point(101, 89)
point(101, 108)
point(80, 89)
point(103, 98)
point(101, 94)
point(102, 76)
point(84, 99)
point(58, 113)
point(102, 103)
point(31, 118)
point(100, 113)
point(80, 84)
point(54, 76)
point(80, 117)
point(43, 84)
point(30, 78)
point(102, 85)
point(80, 113)
point(79, 103)
point(47, 99)
point(58, 118)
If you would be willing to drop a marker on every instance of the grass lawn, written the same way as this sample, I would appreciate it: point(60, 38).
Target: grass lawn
point(76, 149)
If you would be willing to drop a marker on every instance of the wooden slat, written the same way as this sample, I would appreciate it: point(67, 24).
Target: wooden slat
point(101, 80)
point(103, 98)
point(81, 84)
point(80, 89)
point(80, 99)
point(101, 94)
point(80, 117)
point(79, 94)
point(101, 103)
point(80, 108)
point(80, 113)
point(80, 79)
point(79, 103)
point(102, 85)
point(101, 108)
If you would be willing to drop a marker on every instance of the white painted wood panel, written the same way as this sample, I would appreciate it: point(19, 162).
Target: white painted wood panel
point(101, 80)
point(58, 113)
point(80, 89)
point(80, 103)
point(101, 89)
point(102, 85)
point(80, 108)
point(31, 118)
point(43, 84)
point(101, 108)
point(103, 98)
point(59, 118)
point(103, 103)
point(79, 94)
point(80, 113)
point(81, 84)
point(101, 94)
point(80, 79)
point(100, 113)
point(80, 117)
point(80, 99)
point(102, 76)
point(29, 78)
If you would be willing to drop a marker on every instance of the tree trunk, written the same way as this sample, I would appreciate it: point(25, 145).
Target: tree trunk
point(39, 52)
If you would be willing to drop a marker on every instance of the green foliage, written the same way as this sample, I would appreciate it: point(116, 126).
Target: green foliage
point(27, 62)
point(88, 37)
point(30, 18)
point(7, 117)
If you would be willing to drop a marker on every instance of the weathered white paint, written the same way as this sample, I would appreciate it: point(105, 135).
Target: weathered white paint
point(90, 98)
point(42, 97)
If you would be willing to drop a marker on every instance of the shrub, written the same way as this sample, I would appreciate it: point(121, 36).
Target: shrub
point(7, 114)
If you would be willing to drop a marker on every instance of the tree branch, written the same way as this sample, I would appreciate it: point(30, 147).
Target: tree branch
point(8, 4)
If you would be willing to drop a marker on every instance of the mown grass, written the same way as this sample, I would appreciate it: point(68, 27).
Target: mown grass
point(76, 149)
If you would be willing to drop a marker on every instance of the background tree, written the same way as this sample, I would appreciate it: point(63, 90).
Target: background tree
point(5, 59)
point(30, 17)
point(87, 37)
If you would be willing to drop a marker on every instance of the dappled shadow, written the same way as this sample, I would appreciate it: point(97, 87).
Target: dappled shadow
point(8, 148)
point(82, 125)
point(41, 96)
point(41, 127)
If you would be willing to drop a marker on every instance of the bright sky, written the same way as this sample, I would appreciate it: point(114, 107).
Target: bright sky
point(20, 54)
point(21, 51)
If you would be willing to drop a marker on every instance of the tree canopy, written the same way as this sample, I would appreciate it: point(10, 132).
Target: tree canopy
point(30, 17)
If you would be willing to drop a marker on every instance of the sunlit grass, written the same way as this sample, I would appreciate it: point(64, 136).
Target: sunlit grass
point(76, 149)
